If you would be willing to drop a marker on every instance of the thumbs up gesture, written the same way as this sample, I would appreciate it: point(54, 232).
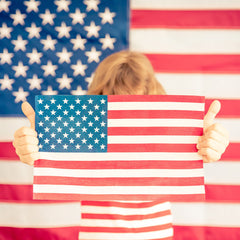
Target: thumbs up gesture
point(215, 137)
point(25, 138)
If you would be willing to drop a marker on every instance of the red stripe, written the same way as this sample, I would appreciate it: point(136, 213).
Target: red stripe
point(193, 19)
point(122, 204)
point(60, 233)
point(152, 147)
point(20, 194)
point(119, 197)
point(125, 229)
point(155, 98)
point(118, 114)
point(230, 108)
point(193, 181)
point(184, 63)
point(229, 193)
point(125, 217)
point(232, 152)
point(136, 164)
point(205, 232)
point(192, 131)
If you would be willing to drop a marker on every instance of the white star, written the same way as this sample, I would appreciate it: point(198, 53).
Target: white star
point(65, 124)
point(84, 118)
point(64, 56)
point(53, 135)
point(78, 124)
point(90, 124)
point(34, 56)
point(20, 44)
point(84, 107)
point(103, 112)
point(71, 107)
point(102, 135)
point(90, 146)
point(59, 106)
point(96, 129)
point(78, 101)
point(20, 69)
point(91, 5)
point(40, 135)
point(71, 129)
point(65, 146)
point(78, 113)
point(40, 124)
point(90, 135)
point(84, 140)
point(33, 31)
point(79, 91)
point(46, 118)
point(64, 82)
point(90, 112)
point(46, 106)
point(6, 83)
point(53, 124)
point(79, 68)
point(49, 43)
point(40, 112)
point(103, 124)
point(96, 107)
point(96, 118)
point(47, 17)
point(65, 112)
point(49, 69)
point(84, 129)
point(35, 82)
point(49, 91)
point(62, 5)
point(92, 30)
point(32, 5)
point(65, 135)
point(96, 141)
point(59, 118)
point(107, 16)
point(46, 140)
point(59, 129)
point(77, 17)
point(63, 30)
point(59, 140)
point(6, 57)
point(107, 42)
point(102, 101)
point(52, 101)
point(102, 146)
point(18, 18)
point(71, 140)
point(20, 95)
point(40, 101)
point(93, 55)
point(5, 31)
point(65, 101)
point(4, 5)
point(53, 146)
point(78, 43)
point(77, 146)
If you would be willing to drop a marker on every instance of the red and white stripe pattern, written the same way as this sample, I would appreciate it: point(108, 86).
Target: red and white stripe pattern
point(194, 48)
point(151, 155)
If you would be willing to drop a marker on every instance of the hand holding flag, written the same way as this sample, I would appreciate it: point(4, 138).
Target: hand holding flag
point(25, 138)
point(215, 137)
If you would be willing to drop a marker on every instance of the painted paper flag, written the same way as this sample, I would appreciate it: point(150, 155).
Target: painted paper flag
point(119, 147)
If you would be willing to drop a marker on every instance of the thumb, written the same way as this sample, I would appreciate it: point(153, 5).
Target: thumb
point(211, 114)
point(29, 113)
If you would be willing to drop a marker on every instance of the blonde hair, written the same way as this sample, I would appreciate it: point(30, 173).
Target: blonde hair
point(123, 73)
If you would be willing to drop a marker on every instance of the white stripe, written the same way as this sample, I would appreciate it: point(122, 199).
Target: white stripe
point(120, 236)
point(155, 122)
point(232, 126)
point(112, 190)
point(185, 4)
point(39, 215)
point(158, 207)
point(206, 214)
point(9, 125)
point(187, 106)
point(228, 85)
point(157, 221)
point(152, 139)
point(185, 41)
point(120, 156)
point(124, 173)
point(222, 173)
point(15, 172)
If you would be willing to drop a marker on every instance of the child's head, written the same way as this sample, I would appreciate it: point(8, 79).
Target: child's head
point(123, 73)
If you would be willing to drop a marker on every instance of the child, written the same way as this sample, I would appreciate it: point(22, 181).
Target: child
point(125, 73)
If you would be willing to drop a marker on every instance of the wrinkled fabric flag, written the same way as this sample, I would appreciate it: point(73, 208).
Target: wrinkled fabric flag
point(119, 147)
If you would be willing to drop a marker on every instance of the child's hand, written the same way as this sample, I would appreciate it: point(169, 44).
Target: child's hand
point(25, 138)
point(215, 137)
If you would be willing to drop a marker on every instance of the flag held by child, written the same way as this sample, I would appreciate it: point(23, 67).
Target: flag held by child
point(119, 147)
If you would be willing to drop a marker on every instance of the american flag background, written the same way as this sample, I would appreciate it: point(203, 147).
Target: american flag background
point(194, 48)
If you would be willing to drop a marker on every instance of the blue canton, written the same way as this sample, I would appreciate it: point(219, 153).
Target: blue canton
point(71, 123)
point(53, 47)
